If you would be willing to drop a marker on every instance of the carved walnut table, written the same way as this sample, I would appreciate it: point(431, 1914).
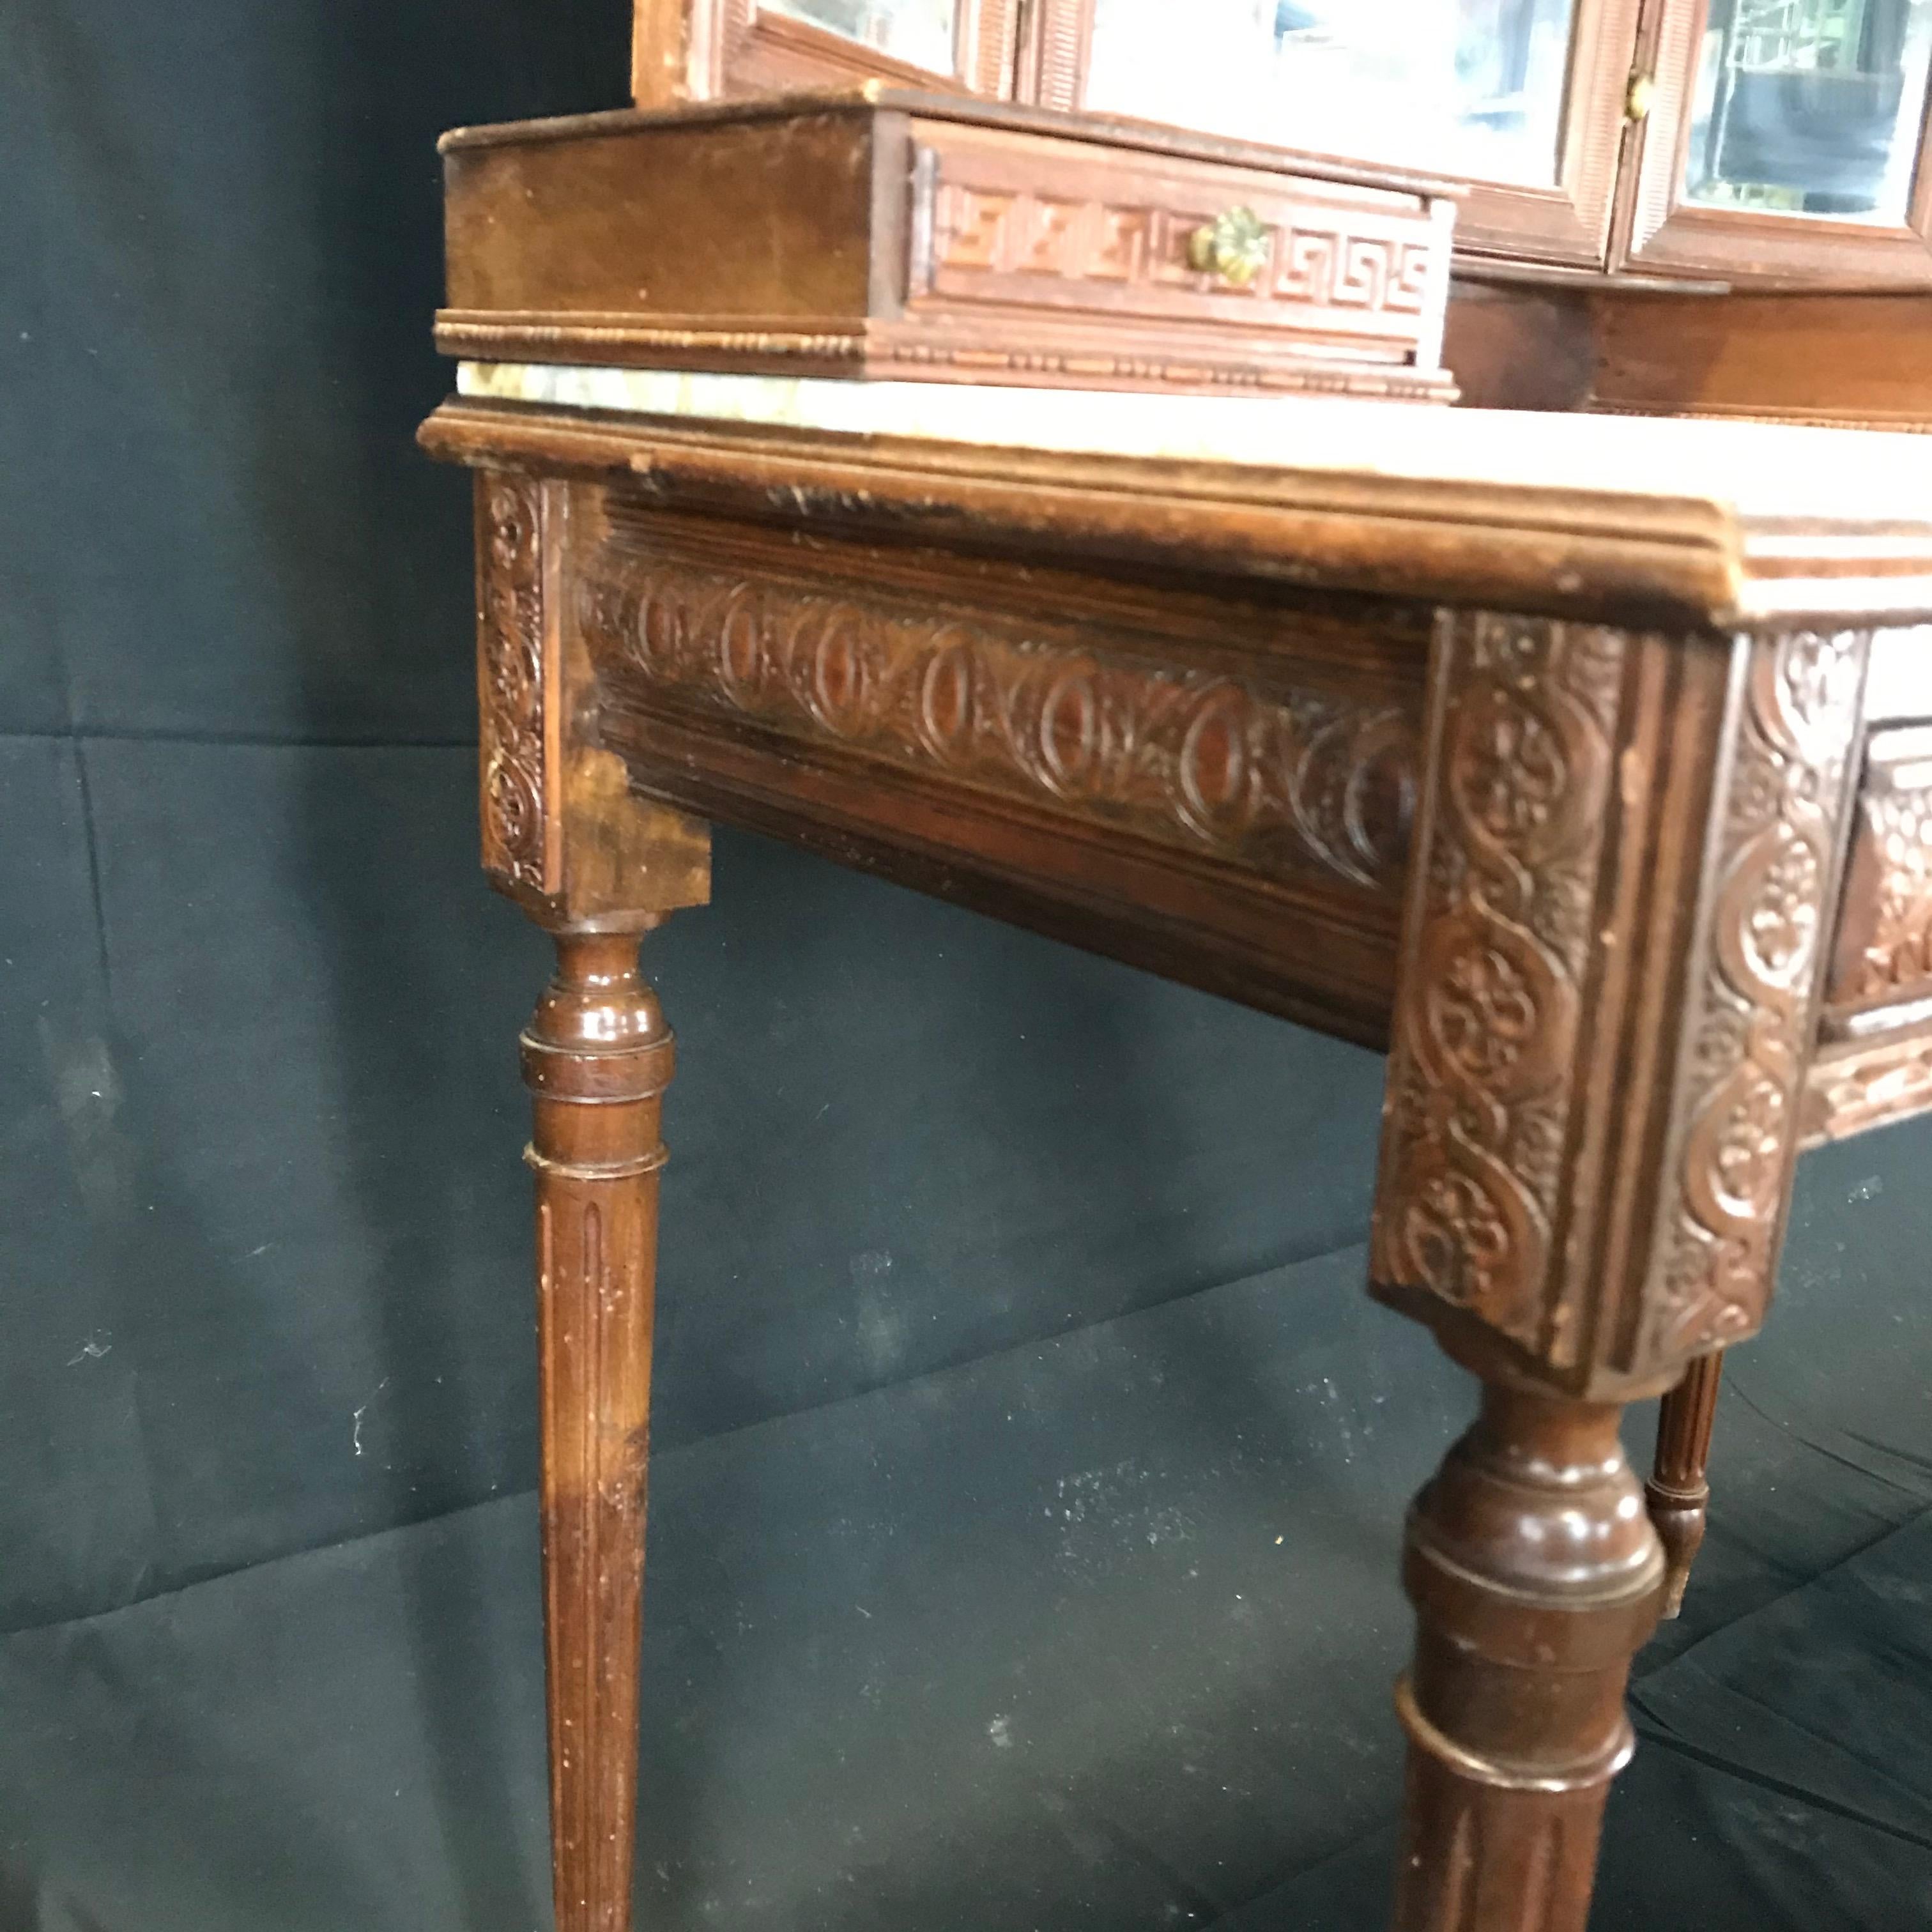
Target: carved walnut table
point(1575, 760)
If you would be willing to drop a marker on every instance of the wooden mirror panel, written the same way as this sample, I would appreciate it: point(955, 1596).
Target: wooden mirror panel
point(711, 50)
point(1524, 99)
point(1785, 145)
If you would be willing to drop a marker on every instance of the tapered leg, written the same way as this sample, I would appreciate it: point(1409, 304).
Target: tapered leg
point(597, 1056)
point(1678, 1492)
point(1535, 1576)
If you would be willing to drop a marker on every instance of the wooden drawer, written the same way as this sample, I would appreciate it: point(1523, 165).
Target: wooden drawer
point(1882, 957)
point(1037, 223)
point(892, 234)
point(1873, 1061)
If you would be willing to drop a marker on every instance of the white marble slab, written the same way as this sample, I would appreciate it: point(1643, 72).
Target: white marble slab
point(1756, 470)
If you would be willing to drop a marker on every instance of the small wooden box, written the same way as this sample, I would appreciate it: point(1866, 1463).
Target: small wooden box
point(890, 234)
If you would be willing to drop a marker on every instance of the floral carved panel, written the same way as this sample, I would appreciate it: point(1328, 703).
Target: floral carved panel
point(1272, 778)
point(1626, 865)
point(1749, 1028)
point(516, 677)
point(1481, 1085)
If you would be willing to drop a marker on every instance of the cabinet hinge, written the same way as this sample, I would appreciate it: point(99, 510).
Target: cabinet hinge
point(1639, 95)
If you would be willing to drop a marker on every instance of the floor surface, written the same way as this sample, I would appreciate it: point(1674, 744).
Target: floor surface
point(1097, 1633)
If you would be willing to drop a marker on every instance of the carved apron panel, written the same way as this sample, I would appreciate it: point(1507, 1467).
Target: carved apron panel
point(1282, 780)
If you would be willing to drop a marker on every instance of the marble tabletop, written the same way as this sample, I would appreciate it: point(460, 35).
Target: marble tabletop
point(1757, 469)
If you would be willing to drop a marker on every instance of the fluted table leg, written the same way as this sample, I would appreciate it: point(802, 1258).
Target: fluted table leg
point(1623, 858)
point(1535, 1576)
point(597, 1056)
point(1678, 1492)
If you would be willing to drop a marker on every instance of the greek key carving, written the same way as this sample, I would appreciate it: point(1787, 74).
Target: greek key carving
point(1480, 1075)
point(1284, 780)
point(1751, 1027)
point(1311, 261)
point(519, 829)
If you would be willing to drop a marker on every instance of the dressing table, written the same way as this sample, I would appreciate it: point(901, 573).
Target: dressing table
point(1583, 763)
point(1562, 756)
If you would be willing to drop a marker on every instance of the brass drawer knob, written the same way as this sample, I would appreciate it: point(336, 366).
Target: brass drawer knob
point(1233, 246)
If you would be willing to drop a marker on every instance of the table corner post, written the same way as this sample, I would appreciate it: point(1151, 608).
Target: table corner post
point(1626, 854)
point(598, 868)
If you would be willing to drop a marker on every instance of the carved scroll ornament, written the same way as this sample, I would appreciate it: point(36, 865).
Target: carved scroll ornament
point(1751, 1032)
point(519, 827)
point(1604, 1016)
point(1480, 1076)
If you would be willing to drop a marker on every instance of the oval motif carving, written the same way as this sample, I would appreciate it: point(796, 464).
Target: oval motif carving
point(1215, 764)
point(1781, 932)
point(1379, 800)
point(741, 641)
point(660, 629)
point(1804, 685)
point(839, 682)
point(1291, 780)
point(946, 713)
point(1069, 729)
point(1483, 1012)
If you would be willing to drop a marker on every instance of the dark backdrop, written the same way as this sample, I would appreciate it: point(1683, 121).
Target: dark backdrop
point(267, 1121)
point(1029, 1466)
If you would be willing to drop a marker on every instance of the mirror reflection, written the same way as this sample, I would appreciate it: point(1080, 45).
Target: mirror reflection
point(1473, 87)
point(1809, 106)
point(918, 31)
